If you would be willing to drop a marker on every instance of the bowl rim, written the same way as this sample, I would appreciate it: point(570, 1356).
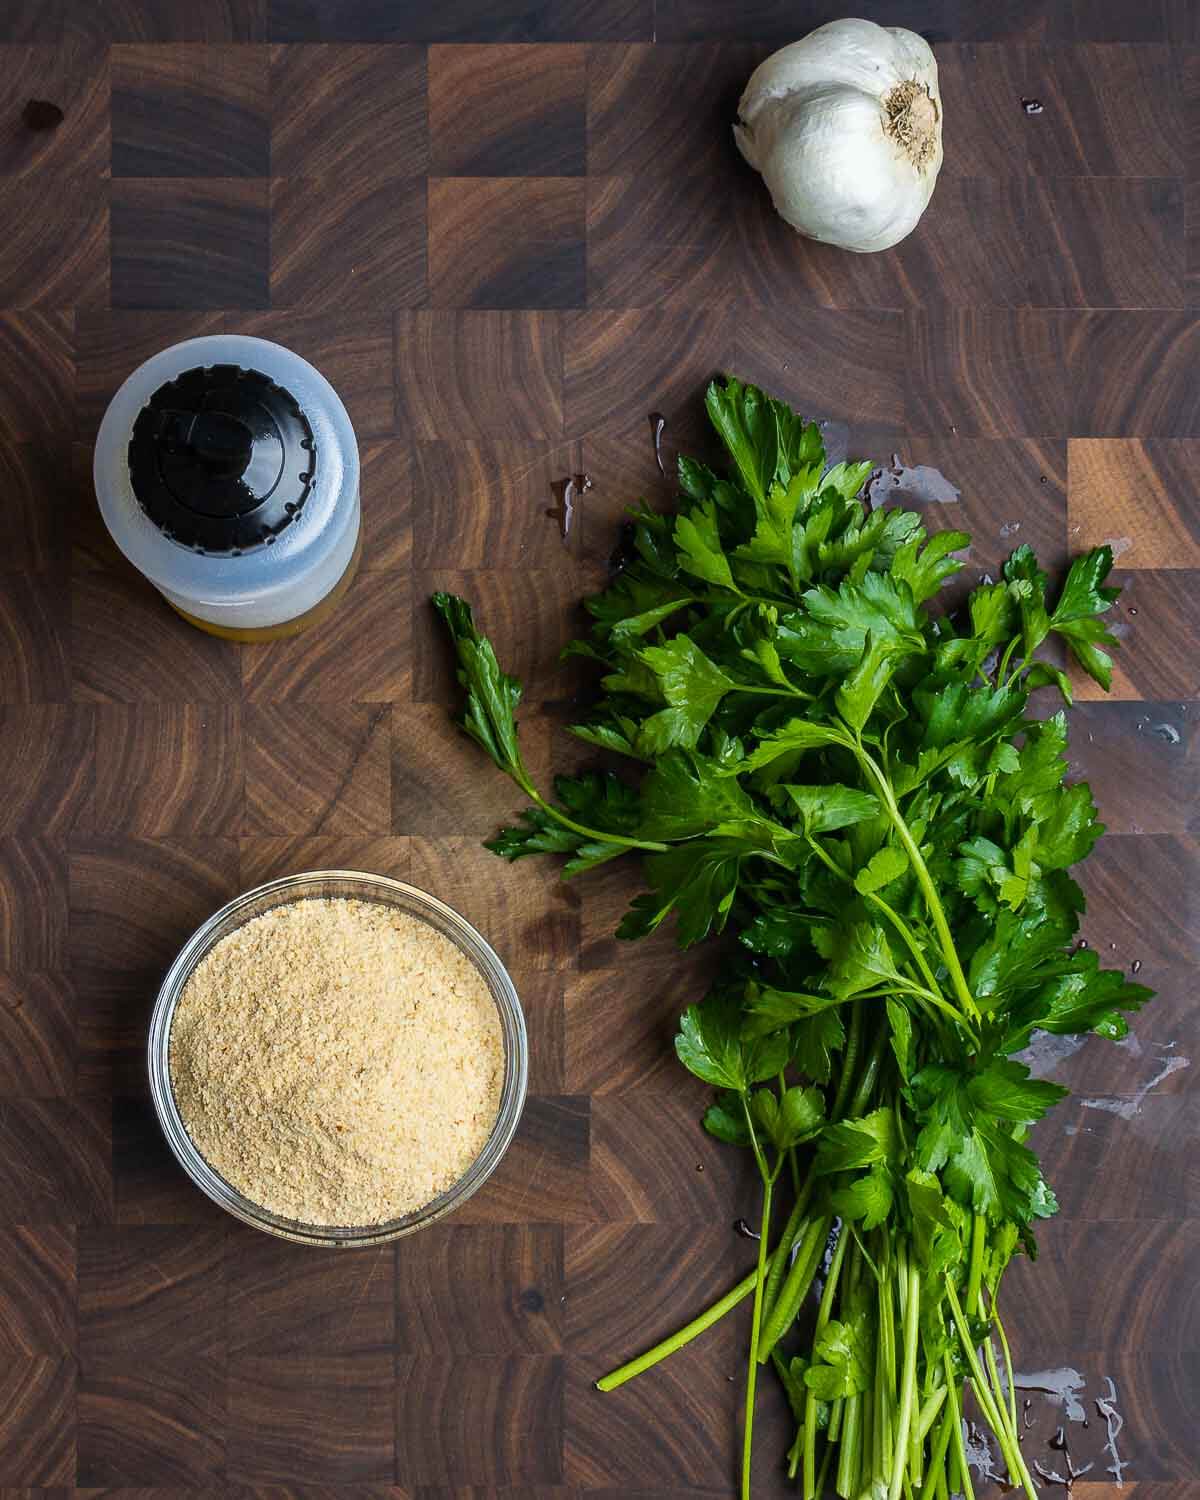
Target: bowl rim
point(417, 903)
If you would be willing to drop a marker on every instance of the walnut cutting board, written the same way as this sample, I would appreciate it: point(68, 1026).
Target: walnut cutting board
point(507, 232)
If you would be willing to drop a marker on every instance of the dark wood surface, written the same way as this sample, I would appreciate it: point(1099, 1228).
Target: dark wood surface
point(506, 232)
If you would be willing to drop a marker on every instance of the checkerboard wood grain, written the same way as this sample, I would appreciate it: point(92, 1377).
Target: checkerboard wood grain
point(507, 232)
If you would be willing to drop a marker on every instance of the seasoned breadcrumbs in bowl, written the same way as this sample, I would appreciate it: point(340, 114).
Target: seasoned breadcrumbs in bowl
point(339, 1062)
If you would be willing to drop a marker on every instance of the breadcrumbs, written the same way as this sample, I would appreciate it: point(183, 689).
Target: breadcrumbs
point(337, 1061)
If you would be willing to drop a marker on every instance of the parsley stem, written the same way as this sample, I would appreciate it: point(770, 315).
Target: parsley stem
point(1008, 1368)
point(996, 1384)
point(987, 1402)
point(975, 1266)
point(846, 1482)
point(767, 1175)
point(958, 1448)
point(747, 601)
point(1006, 1409)
point(793, 1458)
point(924, 880)
point(825, 1462)
point(588, 833)
point(849, 1059)
point(712, 1314)
point(774, 692)
point(755, 1326)
point(791, 1233)
point(1004, 660)
point(908, 1379)
point(827, 860)
point(782, 1313)
point(870, 1072)
point(937, 1453)
point(909, 940)
point(810, 1404)
point(930, 1408)
point(885, 1371)
point(682, 1336)
point(943, 1489)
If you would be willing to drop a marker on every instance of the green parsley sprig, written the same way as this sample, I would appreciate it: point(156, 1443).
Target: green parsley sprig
point(849, 784)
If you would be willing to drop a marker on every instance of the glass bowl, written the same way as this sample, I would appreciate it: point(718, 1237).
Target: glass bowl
point(358, 886)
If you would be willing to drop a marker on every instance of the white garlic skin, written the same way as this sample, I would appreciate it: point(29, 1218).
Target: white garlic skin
point(814, 121)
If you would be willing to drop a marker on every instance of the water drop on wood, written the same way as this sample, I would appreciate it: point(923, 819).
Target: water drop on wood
point(658, 424)
point(40, 114)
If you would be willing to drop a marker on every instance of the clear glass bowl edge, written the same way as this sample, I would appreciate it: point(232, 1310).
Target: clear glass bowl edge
point(357, 885)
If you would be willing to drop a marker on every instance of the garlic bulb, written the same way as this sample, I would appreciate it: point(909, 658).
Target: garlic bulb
point(846, 128)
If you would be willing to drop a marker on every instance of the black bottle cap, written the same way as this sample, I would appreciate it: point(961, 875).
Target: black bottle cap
point(222, 459)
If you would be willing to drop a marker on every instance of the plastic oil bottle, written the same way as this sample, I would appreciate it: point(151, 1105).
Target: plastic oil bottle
point(227, 472)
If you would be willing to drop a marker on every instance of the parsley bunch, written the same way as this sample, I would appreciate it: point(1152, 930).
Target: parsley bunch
point(848, 784)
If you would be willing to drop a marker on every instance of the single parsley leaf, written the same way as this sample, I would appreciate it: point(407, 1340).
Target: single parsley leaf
point(1005, 1091)
point(777, 931)
point(925, 566)
point(993, 613)
point(793, 737)
point(857, 696)
point(617, 736)
point(769, 1009)
point(867, 1198)
point(763, 654)
point(861, 962)
point(539, 833)
point(955, 712)
point(600, 801)
point(697, 880)
point(884, 866)
point(814, 1042)
point(700, 549)
point(876, 606)
point(1046, 674)
point(692, 686)
point(1084, 639)
point(936, 1234)
point(1027, 588)
point(1083, 594)
point(1078, 996)
point(822, 809)
point(710, 1045)
point(1067, 827)
point(767, 441)
point(629, 627)
point(980, 870)
point(847, 479)
point(797, 1117)
point(857, 1143)
point(685, 794)
point(492, 696)
point(901, 1025)
point(726, 1120)
point(845, 1355)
